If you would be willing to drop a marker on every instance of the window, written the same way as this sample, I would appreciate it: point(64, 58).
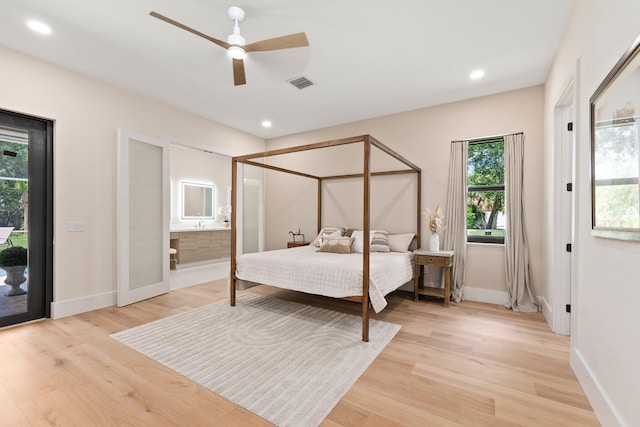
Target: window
point(616, 163)
point(485, 191)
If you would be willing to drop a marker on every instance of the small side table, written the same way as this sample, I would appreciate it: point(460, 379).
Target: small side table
point(442, 259)
point(296, 244)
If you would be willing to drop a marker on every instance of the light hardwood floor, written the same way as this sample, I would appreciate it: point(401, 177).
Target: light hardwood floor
point(471, 364)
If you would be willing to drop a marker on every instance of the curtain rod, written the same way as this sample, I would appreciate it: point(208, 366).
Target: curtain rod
point(487, 137)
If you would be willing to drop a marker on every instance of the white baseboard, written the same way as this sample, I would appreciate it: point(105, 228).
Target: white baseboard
point(601, 404)
point(485, 295)
point(61, 309)
point(178, 279)
point(489, 296)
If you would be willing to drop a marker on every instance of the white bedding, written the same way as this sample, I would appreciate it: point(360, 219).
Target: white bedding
point(321, 273)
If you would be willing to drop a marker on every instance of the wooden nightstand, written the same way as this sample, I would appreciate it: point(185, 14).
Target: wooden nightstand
point(442, 259)
point(296, 244)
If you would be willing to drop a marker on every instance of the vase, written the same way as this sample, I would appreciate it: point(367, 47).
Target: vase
point(15, 277)
point(434, 242)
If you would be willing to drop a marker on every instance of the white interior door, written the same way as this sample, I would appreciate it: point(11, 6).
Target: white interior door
point(563, 222)
point(143, 217)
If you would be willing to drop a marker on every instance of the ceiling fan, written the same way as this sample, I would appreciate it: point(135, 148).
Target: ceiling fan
point(235, 43)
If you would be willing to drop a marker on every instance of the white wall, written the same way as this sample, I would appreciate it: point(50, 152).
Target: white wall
point(87, 114)
point(424, 137)
point(292, 204)
point(605, 339)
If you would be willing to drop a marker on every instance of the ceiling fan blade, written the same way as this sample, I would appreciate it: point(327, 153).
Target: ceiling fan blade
point(238, 72)
point(283, 42)
point(191, 30)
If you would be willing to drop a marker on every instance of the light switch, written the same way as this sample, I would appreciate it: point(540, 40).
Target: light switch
point(75, 226)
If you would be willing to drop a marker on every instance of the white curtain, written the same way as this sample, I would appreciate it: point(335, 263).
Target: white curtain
point(519, 285)
point(455, 232)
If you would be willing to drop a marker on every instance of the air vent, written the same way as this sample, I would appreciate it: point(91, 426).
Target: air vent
point(301, 82)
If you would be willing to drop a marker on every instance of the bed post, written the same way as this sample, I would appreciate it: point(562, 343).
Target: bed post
point(419, 209)
point(319, 204)
point(234, 205)
point(366, 228)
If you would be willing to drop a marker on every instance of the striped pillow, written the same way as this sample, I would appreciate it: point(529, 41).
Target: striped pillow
point(380, 241)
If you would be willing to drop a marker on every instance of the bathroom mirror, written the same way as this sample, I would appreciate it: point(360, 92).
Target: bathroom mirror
point(198, 200)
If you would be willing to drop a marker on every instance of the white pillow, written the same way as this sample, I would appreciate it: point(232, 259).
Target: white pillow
point(400, 242)
point(336, 235)
point(358, 243)
point(326, 232)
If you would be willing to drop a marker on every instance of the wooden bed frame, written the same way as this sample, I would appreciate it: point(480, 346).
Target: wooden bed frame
point(368, 141)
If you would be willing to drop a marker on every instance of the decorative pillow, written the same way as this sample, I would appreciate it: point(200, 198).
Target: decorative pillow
point(349, 232)
point(400, 242)
point(325, 232)
point(380, 241)
point(339, 245)
point(358, 242)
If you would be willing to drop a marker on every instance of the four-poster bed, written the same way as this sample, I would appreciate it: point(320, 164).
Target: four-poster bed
point(368, 142)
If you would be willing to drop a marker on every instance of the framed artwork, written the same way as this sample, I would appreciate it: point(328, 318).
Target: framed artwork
point(615, 151)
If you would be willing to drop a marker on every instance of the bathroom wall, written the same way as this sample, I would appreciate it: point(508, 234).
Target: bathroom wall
point(197, 167)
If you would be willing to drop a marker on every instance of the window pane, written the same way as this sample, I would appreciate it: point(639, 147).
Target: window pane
point(616, 155)
point(617, 206)
point(486, 164)
point(485, 213)
point(14, 153)
point(617, 202)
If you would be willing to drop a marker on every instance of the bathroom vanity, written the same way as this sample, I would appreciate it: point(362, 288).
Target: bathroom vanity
point(201, 244)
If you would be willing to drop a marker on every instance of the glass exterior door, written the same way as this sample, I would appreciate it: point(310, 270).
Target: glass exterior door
point(25, 218)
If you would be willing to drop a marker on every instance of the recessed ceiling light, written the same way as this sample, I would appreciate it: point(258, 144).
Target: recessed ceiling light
point(477, 74)
point(266, 124)
point(39, 27)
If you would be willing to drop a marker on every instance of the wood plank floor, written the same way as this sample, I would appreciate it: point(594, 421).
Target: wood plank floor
point(471, 364)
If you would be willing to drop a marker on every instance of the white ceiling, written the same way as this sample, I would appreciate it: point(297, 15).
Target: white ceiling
point(369, 58)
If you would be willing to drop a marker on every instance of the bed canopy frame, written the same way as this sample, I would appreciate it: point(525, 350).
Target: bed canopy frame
point(368, 141)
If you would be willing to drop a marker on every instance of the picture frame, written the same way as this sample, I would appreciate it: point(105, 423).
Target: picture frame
point(615, 151)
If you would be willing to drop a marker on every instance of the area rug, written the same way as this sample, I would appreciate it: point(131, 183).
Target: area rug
point(287, 362)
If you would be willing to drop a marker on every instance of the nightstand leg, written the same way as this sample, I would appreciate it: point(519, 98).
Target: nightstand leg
point(447, 285)
point(416, 278)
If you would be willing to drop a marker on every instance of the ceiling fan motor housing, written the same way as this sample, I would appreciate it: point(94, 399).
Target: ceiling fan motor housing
point(236, 13)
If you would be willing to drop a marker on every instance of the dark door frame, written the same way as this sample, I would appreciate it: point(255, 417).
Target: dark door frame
point(40, 226)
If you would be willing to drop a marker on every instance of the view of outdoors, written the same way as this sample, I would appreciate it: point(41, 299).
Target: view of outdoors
point(617, 158)
point(14, 187)
point(485, 190)
point(14, 201)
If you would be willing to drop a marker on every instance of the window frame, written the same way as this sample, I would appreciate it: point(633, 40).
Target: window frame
point(480, 188)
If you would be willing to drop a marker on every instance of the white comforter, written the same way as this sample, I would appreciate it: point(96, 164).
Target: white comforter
point(320, 273)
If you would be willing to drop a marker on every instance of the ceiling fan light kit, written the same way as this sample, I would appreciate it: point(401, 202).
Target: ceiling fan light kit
point(236, 45)
point(236, 52)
